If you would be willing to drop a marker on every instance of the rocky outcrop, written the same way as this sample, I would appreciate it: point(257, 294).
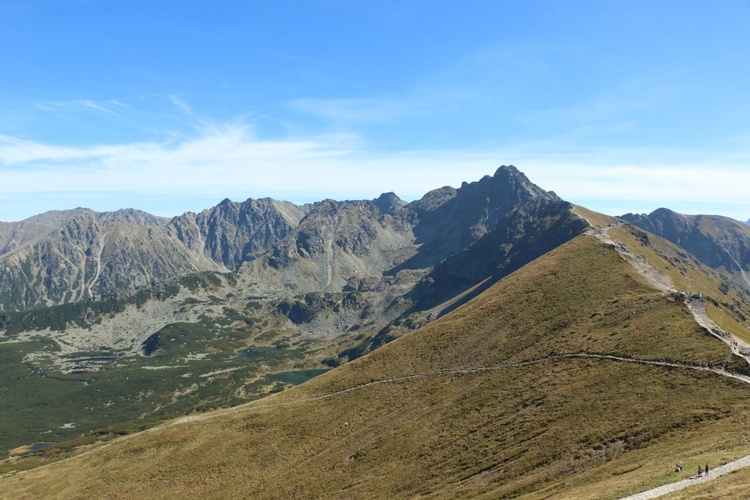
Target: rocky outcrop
point(451, 220)
point(389, 203)
point(66, 256)
point(337, 243)
point(234, 233)
point(383, 246)
point(498, 224)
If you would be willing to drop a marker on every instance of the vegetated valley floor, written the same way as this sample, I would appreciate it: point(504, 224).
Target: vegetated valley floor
point(226, 353)
point(573, 427)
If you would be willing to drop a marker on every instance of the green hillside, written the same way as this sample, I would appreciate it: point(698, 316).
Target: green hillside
point(512, 394)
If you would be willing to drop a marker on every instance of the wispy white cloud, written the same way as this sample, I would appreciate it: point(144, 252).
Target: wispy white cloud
point(353, 110)
point(227, 160)
point(182, 105)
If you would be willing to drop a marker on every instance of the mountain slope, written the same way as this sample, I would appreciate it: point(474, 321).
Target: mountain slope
point(63, 257)
point(505, 396)
point(234, 233)
point(516, 238)
point(415, 261)
point(719, 242)
point(314, 287)
point(85, 254)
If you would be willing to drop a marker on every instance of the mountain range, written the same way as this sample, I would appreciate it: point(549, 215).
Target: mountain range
point(258, 288)
point(63, 257)
point(491, 339)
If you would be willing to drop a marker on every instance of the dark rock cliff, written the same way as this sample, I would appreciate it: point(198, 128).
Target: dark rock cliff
point(238, 232)
point(498, 224)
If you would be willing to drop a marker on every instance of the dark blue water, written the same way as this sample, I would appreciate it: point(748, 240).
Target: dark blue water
point(38, 446)
point(297, 377)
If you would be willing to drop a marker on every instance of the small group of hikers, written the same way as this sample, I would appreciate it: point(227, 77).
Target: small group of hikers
point(701, 470)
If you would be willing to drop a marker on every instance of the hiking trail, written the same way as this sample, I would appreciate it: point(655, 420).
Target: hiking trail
point(248, 407)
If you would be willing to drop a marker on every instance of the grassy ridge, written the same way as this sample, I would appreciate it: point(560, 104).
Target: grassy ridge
point(569, 427)
point(581, 296)
point(687, 273)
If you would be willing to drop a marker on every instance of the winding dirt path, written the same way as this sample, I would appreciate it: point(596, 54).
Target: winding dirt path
point(662, 282)
point(686, 483)
point(698, 309)
point(511, 364)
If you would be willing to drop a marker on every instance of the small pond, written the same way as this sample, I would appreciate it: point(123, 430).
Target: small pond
point(296, 377)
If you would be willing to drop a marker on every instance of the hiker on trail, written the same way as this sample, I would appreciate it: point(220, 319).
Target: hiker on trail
point(706, 469)
point(700, 471)
point(678, 468)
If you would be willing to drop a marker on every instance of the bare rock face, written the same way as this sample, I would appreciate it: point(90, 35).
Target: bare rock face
point(338, 242)
point(389, 203)
point(487, 230)
point(450, 220)
point(61, 257)
point(237, 232)
point(384, 246)
point(66, 257)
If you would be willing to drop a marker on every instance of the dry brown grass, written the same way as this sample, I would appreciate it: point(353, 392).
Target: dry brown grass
point(563, 427)
point(687, 273)
point(595, 218)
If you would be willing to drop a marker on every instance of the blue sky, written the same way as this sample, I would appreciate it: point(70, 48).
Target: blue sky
point(172, 105)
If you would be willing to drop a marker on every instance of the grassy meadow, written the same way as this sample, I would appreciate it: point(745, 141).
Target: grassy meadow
point(562, 427)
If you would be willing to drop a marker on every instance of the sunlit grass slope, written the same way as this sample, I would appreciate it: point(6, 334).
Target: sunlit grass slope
point(561, 426)
point(727, 300)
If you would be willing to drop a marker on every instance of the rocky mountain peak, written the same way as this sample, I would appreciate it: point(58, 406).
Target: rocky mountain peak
point(236, 232)
point(389, 203)
point(326, 244)
point(484, 225)
point(132, 216)
point(434, 199)
point(510, 182)
point(16, 234)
